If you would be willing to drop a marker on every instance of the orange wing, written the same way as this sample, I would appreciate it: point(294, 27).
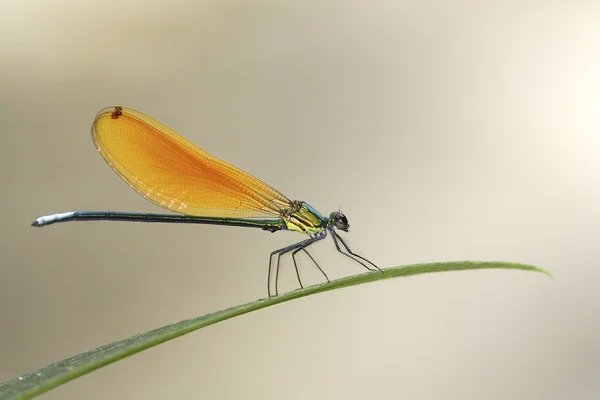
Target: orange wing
point(175, 174)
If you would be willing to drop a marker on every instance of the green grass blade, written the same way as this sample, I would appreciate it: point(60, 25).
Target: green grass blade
point(53, 375)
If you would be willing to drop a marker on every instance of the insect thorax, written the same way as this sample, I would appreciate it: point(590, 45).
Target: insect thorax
point(303, 218)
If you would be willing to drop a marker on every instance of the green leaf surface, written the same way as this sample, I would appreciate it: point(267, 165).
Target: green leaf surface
point(54, 375)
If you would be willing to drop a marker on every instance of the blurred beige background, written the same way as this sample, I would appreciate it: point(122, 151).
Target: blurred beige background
point(444, 130)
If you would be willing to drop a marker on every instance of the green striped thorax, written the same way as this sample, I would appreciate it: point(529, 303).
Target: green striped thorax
point(301, 217)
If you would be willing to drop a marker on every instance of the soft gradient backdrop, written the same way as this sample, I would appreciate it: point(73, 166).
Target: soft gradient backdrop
point(464, 130)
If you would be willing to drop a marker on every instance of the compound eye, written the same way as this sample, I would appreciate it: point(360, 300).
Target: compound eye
point(341, 222)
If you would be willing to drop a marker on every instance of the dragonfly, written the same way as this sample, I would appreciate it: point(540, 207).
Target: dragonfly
point(177, 175)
